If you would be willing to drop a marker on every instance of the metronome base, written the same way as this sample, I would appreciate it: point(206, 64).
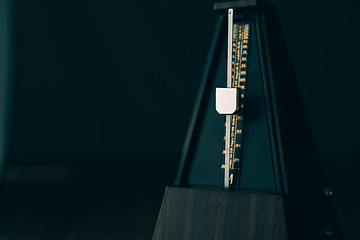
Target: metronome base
point(209, 214)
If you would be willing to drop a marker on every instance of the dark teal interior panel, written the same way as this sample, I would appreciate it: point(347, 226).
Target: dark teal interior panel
point(205, 155)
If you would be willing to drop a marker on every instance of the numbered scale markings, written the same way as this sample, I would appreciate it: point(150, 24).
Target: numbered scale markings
point(240, 46)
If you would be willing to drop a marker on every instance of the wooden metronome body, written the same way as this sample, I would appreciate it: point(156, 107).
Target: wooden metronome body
point(278, 191)
point(209, 214)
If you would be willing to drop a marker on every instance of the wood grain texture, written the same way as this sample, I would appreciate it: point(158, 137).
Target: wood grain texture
point(208, 214)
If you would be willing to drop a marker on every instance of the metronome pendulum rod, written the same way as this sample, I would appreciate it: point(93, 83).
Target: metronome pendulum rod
point(228, 116)
point(227, 99)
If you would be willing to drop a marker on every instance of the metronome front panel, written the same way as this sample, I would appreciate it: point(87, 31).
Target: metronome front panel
point(256, 161)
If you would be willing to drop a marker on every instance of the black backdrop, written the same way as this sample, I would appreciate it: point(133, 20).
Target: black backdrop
point(103, 94)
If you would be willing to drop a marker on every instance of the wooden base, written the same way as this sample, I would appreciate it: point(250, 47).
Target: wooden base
point(208, 214)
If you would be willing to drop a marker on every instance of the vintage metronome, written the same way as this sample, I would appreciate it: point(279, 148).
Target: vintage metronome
point(249, 168)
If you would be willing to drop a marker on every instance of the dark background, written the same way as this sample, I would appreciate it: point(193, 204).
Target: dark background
point(102, 97)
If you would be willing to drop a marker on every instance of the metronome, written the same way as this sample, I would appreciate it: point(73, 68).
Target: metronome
point(249, 168)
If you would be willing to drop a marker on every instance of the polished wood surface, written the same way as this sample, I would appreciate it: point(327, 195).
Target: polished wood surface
point(209, 214)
